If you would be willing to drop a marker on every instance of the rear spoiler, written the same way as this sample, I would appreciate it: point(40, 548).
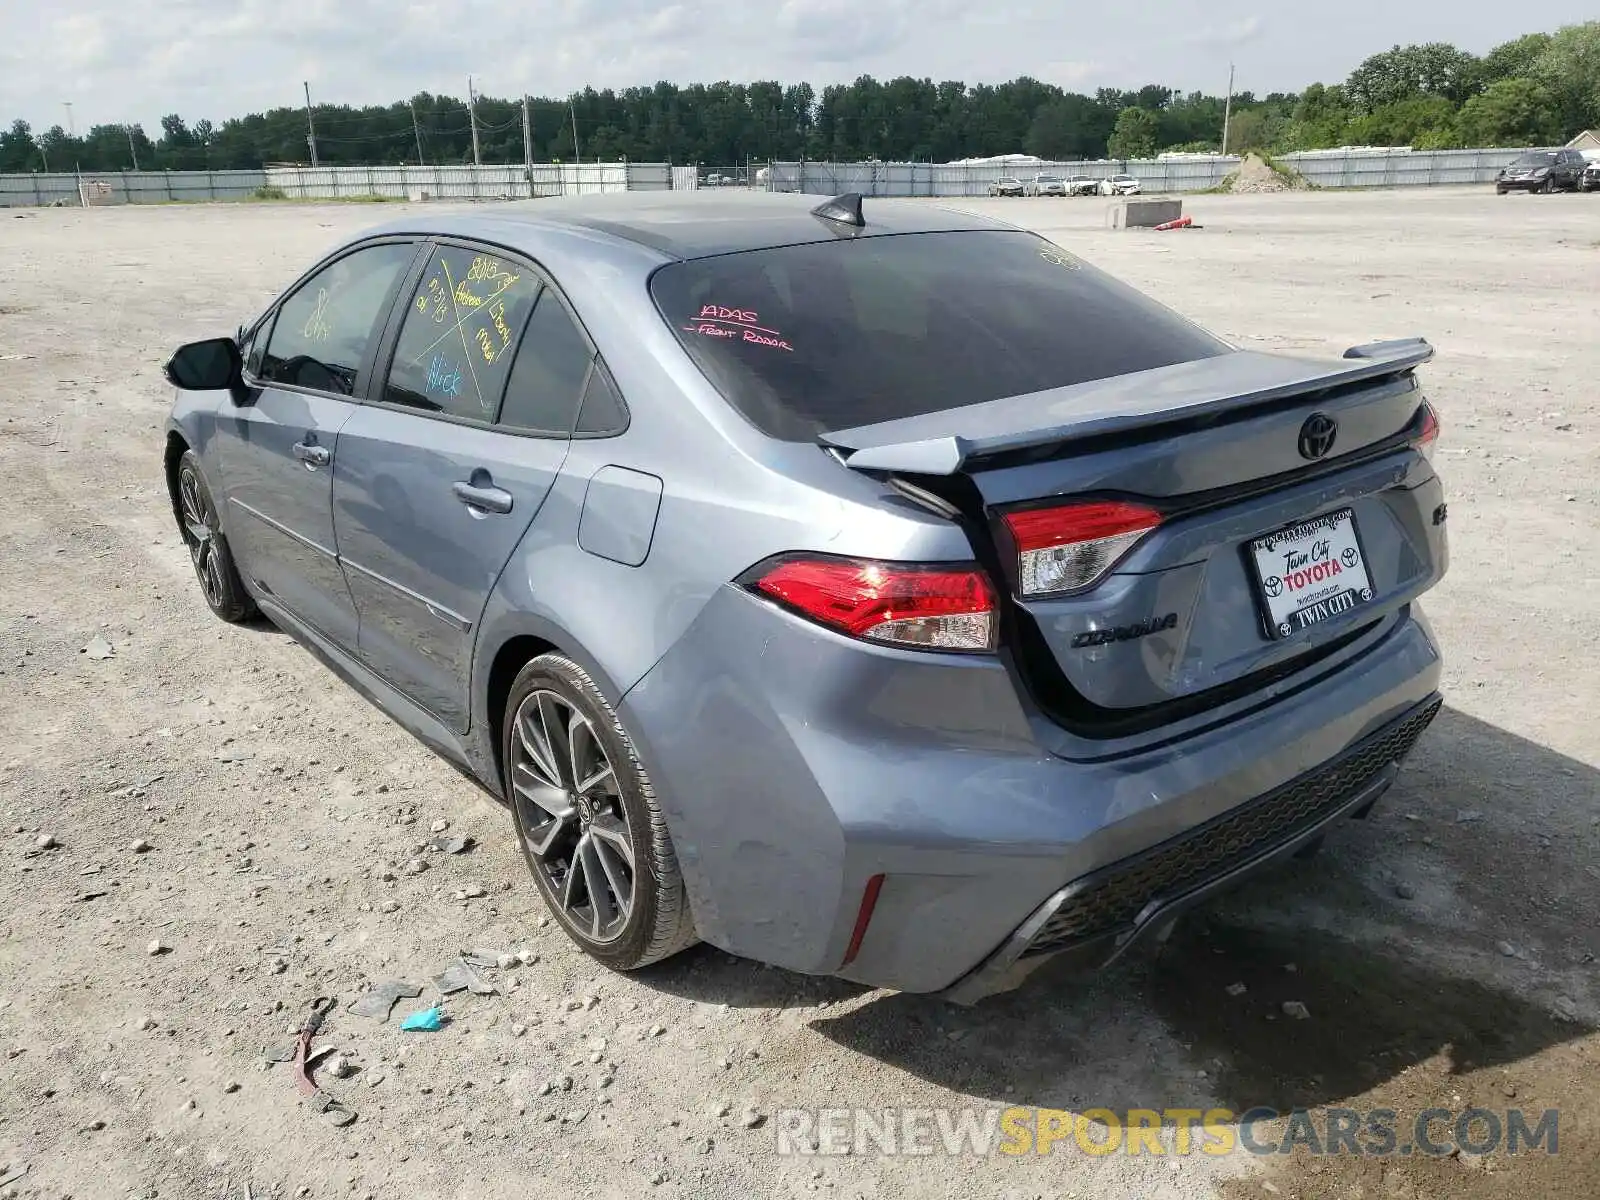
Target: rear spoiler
point(942, 443)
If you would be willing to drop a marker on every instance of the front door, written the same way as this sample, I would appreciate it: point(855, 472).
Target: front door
point(437, 482)
point(278, 446)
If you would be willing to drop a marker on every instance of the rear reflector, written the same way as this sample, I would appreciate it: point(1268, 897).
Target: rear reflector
point(869, 901)
point(922, 607)
point(1428, 438)
point(1067, 548)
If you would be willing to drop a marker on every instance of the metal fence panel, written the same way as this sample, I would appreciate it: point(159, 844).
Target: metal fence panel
point(1328, 169)
point(1323, 168)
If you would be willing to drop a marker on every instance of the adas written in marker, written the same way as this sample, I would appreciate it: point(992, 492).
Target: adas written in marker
point(715, 321)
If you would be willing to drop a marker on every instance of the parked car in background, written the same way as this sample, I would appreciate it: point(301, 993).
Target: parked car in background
point(1591, 172)
point(1047, 185)
point(1082, 185)
point(1119, 185)
point(916, 652)
point(1542, 171)
point(1007, 186)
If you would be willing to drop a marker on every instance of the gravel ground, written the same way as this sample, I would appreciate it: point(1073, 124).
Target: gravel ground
point(214, 795)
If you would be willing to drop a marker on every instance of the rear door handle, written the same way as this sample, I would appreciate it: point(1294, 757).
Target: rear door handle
point(486, 498)
point(312, 454)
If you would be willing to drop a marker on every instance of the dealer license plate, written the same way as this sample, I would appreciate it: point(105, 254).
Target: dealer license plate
point(1310, 572)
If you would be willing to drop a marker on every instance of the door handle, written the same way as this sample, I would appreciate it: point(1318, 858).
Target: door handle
point(312, 455)
point(485, 499)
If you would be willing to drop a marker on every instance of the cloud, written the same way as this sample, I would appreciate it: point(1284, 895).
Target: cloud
point(1229, 36)
point(134, 60)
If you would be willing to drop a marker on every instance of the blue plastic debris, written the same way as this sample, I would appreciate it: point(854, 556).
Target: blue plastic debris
point(429, 1020)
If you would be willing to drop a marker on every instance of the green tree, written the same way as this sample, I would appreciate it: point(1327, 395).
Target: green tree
point(1516, 58)
point(1073, 127)
point(1409, 122)
point(1135, 134)
point(1433, 69)
point(1511, 112)
point(17, 151)
point(1570, 70)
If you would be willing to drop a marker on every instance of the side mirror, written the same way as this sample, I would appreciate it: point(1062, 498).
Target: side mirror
point(213, 365)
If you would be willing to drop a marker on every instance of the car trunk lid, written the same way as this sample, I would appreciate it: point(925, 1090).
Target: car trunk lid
point(1216, 450)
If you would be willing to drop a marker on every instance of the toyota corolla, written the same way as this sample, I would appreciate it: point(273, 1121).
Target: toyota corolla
point(867, 588)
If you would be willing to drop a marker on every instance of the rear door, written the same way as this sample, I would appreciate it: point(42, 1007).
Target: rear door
point(442, 472)
point(304, 363)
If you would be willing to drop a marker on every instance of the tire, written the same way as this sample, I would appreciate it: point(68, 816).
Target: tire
point(1547, 187)
point(201, 528)
point(1500, 191)
point(611, 832)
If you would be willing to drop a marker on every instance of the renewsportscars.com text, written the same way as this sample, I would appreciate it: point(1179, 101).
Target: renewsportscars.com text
point(1018, 1131)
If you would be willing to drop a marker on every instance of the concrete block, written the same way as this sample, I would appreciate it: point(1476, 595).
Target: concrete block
point(1143, 212)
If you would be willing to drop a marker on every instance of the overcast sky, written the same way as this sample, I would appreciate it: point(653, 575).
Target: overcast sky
point(134, 60)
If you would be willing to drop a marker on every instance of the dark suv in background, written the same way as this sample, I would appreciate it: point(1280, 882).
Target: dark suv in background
point(1542, 171)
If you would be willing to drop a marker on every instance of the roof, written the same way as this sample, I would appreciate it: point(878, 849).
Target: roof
point(695, 224)
point(1589, 139)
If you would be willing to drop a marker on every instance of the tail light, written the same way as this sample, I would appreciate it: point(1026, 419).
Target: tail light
point(1428, 436)
point(1066, 548)
point(922, 607)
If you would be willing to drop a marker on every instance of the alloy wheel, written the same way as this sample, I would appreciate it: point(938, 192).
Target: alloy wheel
point(570, 812)
point(199, 532)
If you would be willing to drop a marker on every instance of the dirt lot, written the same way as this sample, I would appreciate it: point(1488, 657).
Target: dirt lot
point(1445, 950)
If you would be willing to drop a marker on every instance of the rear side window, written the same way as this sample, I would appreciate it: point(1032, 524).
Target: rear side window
point(602, 412)
point(461, 327)
point(320, 336)
point(551, 369)
point(805, 340)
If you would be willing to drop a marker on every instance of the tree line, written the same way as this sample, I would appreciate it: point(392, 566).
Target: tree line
point(1535, 90)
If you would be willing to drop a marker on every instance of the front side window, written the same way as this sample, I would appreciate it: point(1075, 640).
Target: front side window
point(811, 339)
point(460, 333)
point(321, 333)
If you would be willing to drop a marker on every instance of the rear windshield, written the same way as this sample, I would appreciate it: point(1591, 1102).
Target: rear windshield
point(806, 340)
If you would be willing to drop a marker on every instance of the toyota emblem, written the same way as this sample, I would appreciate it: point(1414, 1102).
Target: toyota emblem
point(1317, 436)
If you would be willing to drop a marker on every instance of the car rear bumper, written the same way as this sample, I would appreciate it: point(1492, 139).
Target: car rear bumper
point(794, 766)
point(1095, 920)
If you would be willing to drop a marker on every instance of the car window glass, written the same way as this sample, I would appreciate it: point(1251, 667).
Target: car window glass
point(461, 326)
point(255, 347)
point(321, 333)
point(819, 337)
point(548, 377)
point(602, 410)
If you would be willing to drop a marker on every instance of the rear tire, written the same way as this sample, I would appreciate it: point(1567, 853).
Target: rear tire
point(587, 821)
point(201, 528)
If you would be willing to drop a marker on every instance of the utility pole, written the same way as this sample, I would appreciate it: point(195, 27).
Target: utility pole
point(1227, 110)
point(311, 129)
point(132, 150)
point(472, 114)
point(577, 155)
point(417, 129)
point(527, 144)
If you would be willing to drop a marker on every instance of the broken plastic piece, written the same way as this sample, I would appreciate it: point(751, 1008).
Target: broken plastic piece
point(451, 845)
point(459, 976)
point(379, 1002)
point(429, 1020)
